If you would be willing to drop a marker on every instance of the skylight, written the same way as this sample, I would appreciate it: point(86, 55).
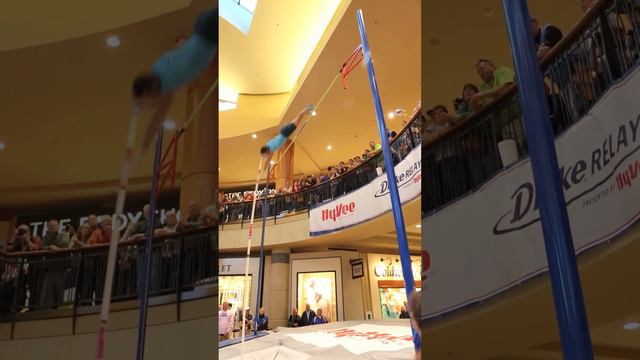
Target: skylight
point(238, 12)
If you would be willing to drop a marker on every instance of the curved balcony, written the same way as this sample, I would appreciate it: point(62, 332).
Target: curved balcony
point(278, 206)
point(183, 267)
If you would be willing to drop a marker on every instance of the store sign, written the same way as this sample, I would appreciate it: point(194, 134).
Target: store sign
point(395, 271)
point(501, 244)
point(38, 223)
point(236, 266)
point(368, 201)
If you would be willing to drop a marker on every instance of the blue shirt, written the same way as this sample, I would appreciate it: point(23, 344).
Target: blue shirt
point(320, 320)
point(276, 143)
point(261, 320)
point(184, 64)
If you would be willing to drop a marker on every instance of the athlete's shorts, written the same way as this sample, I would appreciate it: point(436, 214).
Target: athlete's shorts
point(288, 129)
point(207, 25)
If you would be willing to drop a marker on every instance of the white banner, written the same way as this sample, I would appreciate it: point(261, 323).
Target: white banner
point(492, 240)
point(368, 201)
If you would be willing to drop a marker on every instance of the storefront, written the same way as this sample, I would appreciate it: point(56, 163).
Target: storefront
point(319, 283)
point(231, 281)
point(387, 284)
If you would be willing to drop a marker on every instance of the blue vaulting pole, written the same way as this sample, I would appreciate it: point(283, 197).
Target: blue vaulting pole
point(396, 205)
point(563, 270)
point(144, 288)
point(261, 267)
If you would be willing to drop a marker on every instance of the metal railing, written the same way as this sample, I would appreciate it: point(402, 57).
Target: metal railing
point(409, 138)
point(599, 51)
point(41, 280)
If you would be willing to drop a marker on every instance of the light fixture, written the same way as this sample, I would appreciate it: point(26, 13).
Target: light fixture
point(113, 41)
point(632, 326)
point(169, 124)
point(227, 99)
point(2, 146)
point(254, 136)
point(272, 162)
point(418, 226)
point(391, 115)
point(219, 169)
point(314, 113)
point(329, 147)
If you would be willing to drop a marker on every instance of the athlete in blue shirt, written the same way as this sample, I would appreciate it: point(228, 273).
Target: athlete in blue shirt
point(276, 143)
point(175, 69)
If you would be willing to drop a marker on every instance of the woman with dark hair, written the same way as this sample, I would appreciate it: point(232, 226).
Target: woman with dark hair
point(79, 239)
point(462, 105)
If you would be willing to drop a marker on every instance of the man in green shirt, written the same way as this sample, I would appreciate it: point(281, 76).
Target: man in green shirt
point(495, 82)
point(53, 239)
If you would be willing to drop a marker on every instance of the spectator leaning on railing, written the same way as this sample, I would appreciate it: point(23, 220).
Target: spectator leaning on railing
point(81, 238)
point(545, 37)
point(496, 82)
point(54, 240)
point(102, 235)
point(23, 241)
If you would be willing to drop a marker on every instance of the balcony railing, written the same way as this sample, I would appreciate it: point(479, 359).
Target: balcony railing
point(409, 138)
point(40, 280)
point(598, 52)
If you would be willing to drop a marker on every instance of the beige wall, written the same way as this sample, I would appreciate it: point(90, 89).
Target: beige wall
point(287, 230)
point(192, 338)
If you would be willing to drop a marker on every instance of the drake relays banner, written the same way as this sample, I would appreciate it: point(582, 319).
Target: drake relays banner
point(492, 239)
point(370, 200)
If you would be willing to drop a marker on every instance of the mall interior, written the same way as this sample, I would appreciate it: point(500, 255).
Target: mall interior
point(323, 233)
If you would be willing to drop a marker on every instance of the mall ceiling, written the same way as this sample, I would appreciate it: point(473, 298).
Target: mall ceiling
point(67, 98)
point(25, 25)
point(66, 104)
point(346, 118)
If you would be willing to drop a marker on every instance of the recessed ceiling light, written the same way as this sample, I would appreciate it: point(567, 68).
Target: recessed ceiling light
point(169, 124)
point(418, 226)
point(632, 326)
point(219, 169)
point(113, 41)
point(329, 147)
point(272, 162)
point(254, 136)
point(391, 115)
point(2, 146)
point(314, 113)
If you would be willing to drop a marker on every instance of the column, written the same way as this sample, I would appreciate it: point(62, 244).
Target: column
point(279, 290)
point(199, 178)
point(284, 170)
